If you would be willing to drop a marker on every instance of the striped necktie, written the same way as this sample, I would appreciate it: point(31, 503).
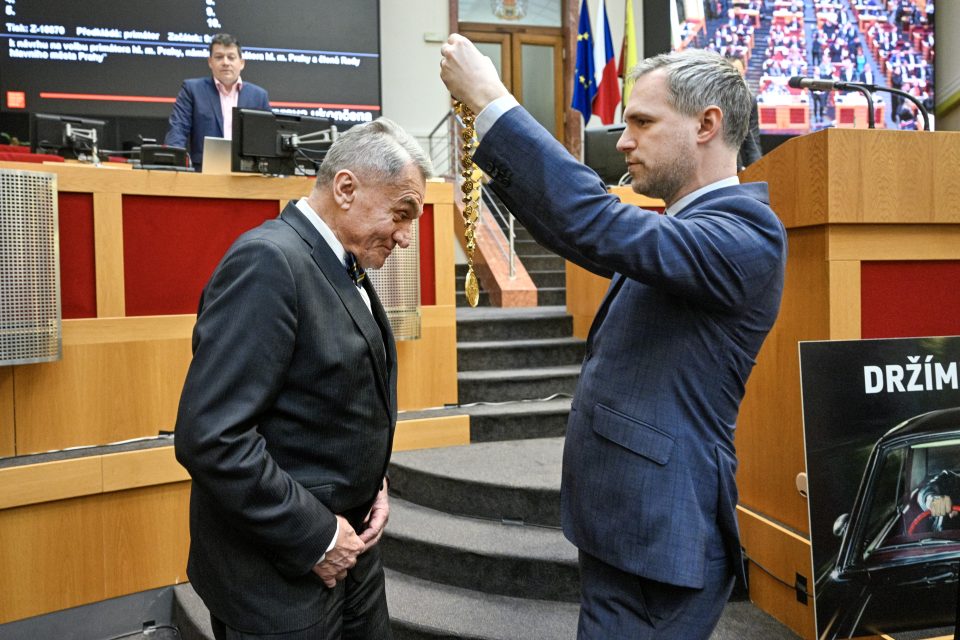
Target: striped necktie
point(354, 270)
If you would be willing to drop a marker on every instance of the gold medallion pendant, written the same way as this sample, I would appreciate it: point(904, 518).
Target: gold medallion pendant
point(471, 197)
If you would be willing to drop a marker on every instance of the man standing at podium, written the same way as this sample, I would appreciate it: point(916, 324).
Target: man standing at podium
point(204, 106)
point(288, 410)
point(648, 493)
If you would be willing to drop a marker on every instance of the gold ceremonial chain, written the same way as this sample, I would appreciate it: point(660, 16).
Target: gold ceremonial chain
point(471, 197)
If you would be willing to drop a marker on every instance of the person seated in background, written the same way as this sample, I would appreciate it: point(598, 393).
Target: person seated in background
point(204, 106)
point(908, 120)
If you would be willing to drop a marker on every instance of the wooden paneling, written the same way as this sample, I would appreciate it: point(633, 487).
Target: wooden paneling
point(135, 329)
point(585, 291)
point(108, 250)
point(143, 468)
point(784, 554)
point(445, 278)
point(53, 557)
point(822, 177)
point(894, 242)
point(425, 433)
point(769, 436)
point(7, 428)
point(102, 392)
point(427, 368)
point(146, 536)
point(89, 179)
point(844, 292)
point(49, 481)
point(70, 552)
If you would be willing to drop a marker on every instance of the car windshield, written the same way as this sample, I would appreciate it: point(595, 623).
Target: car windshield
point(885, 497)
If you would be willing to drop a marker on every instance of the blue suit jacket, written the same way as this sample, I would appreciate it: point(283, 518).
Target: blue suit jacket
point(649, 463)
point(286, 418)
point(196, 113)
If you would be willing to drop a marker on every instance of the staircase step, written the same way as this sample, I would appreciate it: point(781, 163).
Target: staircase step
point(517, 480)
point(520, 232)
point(516, 384)
point(549, 277)
point(528, 247)
point(516, 354)
point(423, 610)
point(485, 555)
point(507, 421)
point(513, 323)
point(483, 300)
point(519, 420)
point(552, 296)
point(542, 262)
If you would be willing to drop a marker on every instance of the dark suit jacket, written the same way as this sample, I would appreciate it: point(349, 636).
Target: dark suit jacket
point(648, 469)
point(286, 418)
point(196, 113)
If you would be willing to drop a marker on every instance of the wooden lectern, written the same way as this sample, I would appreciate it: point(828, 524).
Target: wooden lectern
point(873, 223)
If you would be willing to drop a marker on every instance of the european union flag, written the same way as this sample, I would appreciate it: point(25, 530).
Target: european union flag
point(584, 82)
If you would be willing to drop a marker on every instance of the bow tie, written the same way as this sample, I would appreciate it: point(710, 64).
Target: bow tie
point(354, 270)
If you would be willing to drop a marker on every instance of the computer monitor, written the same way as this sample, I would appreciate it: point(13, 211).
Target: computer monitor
point(274, 144)
point(66, 136)
point(600, 152)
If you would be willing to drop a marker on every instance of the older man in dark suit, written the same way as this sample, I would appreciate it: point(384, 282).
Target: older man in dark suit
point(648, 492)
point(287, 414)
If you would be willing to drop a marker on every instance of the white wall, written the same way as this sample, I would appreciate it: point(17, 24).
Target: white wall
point(413, 95)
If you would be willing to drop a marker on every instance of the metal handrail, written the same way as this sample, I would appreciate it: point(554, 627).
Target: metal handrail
point(443, 148)
point(508, 221)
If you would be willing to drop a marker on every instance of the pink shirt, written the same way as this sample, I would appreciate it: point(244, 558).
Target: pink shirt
point(228, 100)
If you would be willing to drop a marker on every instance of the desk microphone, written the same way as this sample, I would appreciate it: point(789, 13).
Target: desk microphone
point(815, 84)
point(820, 84)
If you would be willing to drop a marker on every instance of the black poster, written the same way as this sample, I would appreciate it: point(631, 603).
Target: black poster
point(882, 433)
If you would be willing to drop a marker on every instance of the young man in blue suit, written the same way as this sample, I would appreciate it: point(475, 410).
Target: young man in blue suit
point(288, 410)
point(204, 106)
point(648, 490)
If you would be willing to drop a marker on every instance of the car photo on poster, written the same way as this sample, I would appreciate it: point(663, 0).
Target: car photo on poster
point(896, 568)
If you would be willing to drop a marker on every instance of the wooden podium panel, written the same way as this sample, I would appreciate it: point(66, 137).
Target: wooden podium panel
point(850, 199)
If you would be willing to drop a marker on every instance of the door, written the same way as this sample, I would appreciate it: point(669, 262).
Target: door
point(530, 62)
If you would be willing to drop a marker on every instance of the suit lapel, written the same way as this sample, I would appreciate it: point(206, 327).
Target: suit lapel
point(335, 273)
point(389, 350)
point(214, 98)
point(243, 100)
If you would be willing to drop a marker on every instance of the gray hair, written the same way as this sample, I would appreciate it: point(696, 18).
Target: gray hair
point(381, 148)
point(697, 79)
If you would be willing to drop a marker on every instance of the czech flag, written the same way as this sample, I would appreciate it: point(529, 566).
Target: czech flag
point(608, 87)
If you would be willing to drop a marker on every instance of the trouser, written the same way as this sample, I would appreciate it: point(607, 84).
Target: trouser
point(356, 609)
point(615, 605)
